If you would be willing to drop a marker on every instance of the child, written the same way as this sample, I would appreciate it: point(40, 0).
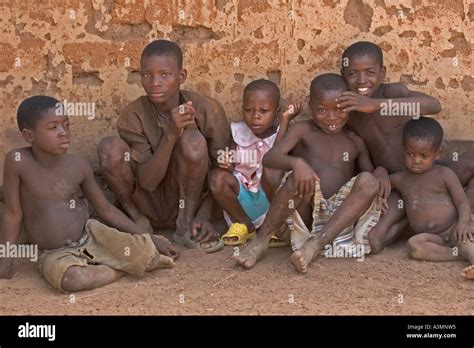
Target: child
point(322, 187)
point(42, 187)
point(378, 112)
point(240, 191)
point(437, 207)
point(169, 138)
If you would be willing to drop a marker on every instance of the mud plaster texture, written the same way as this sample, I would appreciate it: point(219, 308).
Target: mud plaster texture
point(88, 51)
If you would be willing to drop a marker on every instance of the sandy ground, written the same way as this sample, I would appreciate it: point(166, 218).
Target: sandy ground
point(385, 284)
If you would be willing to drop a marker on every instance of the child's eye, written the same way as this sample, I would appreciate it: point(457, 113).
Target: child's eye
point(165, 74)
point(248, 110)
point(370, 73)
point(263, 111)
point(321, 110)
point(146, 75)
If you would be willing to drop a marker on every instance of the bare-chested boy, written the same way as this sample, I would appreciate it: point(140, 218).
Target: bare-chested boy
point(378, 112)
point(436, 205)
point(42, 189)
point(330, 201)
point(169, 140)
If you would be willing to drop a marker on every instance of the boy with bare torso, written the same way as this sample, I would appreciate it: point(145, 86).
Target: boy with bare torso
point(436, 205)
point(42, 189)
point(378, 112)
point(322, 190)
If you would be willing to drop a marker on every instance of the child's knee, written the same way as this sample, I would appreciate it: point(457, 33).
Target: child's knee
point(193, 146)
point(414, 248)
point(375, 242)
point(219, 179)
point(73, 279)
point(366, 183)
point(112, 151)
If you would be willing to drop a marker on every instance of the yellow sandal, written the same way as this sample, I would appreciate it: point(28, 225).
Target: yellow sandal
point(240, 231)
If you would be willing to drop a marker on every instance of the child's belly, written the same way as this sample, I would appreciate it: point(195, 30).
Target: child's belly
point(53, 225)
point(430, 214)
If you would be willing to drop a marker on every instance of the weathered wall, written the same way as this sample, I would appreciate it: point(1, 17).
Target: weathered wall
point(88, 51)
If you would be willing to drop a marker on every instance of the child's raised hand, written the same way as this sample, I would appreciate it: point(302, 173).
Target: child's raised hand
point(181, 117)
point(292, 111)
point(351, 101)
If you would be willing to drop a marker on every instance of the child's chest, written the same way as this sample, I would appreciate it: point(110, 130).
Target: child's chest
point(51, 183)
point(422, 186)
point(338, 149)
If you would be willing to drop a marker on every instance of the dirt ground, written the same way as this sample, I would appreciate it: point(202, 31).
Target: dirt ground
point(385, 284)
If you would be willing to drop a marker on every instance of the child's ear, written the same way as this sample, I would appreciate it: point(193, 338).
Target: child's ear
point(310, 104)
point(383, 72)
point(439, 153)
point(183, 74)
point(28, 135)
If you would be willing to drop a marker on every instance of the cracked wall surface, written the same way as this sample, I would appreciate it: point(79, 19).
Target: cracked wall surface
point(88, 51)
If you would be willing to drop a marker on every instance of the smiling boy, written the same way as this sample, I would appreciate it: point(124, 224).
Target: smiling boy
point(169, 140)
point(328, 204)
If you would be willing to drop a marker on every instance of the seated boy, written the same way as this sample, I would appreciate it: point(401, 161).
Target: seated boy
point(436, 205)
point(329, 200)
point(378, 112)
point(42, 187)
point(241, 185)
point(169, 138)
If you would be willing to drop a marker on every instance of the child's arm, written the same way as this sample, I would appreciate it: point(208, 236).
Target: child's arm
point(463, 232)
point(278, 158)
point(12, 213)
point(365, 165)
point(398, 92)
point(289, 114)
point(107, 212)
point(225, 161)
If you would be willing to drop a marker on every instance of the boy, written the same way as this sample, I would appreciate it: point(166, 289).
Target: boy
point(436, 205)
point(378, 112)
point(42, 187)
point(244, 189)
point(322, 187)
point(169, 139)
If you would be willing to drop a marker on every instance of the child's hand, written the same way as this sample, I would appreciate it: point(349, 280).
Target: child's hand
point(351, 101)
point(226, 164)
point(463, 233)
point(291, 112)
point(384, 191)
point(304, 177)
point(165, 247)
point(5, 268)
point(182, 116)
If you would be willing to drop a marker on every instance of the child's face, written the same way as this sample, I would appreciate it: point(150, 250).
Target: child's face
point(259, 109)
point(326, 115)
point(420, 155)
point(363, 75)
point(51, 133)
point(161, 78)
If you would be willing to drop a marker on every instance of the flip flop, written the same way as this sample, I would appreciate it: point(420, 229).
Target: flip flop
point(189, 243)
point(276, 242)
point(240, 231)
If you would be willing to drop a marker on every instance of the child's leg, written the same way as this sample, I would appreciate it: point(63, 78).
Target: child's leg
point(271, 180)
point(225, 190)
point(357, 202)
point(78, 278)
point(389, 226)
point(283, 204)
point(470, 194)
point(431, 247)
point(192, 160)
point(119, 176)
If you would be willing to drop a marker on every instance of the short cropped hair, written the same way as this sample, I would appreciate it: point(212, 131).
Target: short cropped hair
point(163, 48)
point(327, 82)
point(267, 85)
point(360, 49)
point(32, 109)
point(424, 128)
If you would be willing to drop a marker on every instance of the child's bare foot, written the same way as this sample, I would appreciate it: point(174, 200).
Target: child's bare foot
point(468, 272)
point(143, 222)
point(251, 253)
point(163, 245)
point(301, 258)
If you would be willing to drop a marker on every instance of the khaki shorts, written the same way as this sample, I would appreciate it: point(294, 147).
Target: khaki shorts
point(353, 239)
point(99, 245)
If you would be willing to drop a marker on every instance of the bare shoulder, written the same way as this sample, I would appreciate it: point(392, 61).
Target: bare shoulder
point(395, 90)
point(18, 157)
point(445, 172)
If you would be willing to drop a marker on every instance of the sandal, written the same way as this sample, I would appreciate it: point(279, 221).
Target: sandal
point(240, 231)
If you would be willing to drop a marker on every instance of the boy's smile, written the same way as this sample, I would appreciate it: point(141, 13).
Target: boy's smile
point(259, 111)
point(326, 115)
point(420, 155)
point(161, 78)
point(363, 75)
